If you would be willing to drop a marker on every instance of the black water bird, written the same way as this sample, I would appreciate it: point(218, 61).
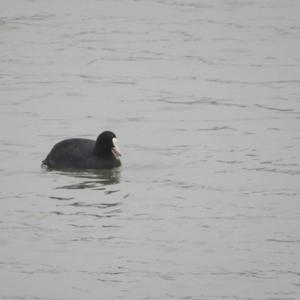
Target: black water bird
point(78, 153)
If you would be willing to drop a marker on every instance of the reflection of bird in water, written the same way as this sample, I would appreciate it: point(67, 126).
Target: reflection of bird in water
point(93, 179)
point(103, 153)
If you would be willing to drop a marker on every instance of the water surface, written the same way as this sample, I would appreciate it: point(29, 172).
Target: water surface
point(205, 99)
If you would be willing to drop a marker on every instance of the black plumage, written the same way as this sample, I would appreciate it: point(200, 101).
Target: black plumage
point(78, 153)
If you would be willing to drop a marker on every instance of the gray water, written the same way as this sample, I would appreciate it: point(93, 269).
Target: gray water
point(204, 97)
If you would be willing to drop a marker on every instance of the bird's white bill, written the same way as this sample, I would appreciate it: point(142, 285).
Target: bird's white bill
point(116, 150)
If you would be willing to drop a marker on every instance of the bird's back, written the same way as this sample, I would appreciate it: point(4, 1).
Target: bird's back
point(71, 153)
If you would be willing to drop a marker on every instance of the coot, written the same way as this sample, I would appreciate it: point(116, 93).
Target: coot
point(78, 153)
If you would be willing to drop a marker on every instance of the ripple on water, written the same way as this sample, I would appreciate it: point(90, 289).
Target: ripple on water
point(95, 180)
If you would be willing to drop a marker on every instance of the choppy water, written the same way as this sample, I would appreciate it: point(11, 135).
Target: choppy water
point(205, 99)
